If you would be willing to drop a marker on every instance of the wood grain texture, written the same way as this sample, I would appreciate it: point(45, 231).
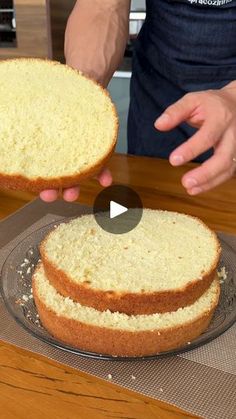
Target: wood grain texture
point(32, 29)
point(35, 387)
point(31, 383)
point(159, 186)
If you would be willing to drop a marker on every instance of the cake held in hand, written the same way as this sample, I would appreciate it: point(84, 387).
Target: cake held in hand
point(116, 333)
point(167, 262)
point(57, 127)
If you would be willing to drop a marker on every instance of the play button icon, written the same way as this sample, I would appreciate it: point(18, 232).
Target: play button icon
point(118, 209)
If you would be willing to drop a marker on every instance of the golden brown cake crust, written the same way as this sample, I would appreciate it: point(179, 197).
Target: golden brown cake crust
point(120, 342)
point(19, 182)
point(127, 302)
point(23, 183)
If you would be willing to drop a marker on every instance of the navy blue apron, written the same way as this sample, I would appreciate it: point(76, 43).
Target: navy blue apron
point(184, 46)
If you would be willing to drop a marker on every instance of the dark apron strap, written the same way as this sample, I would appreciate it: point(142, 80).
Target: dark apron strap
point(180, 49)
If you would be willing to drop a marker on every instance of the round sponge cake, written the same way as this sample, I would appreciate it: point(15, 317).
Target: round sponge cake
point(57, 127)
point(168, 261)
point(117, 333)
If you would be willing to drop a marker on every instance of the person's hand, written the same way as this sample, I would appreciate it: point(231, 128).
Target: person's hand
point(214, 113)
point(71, 194)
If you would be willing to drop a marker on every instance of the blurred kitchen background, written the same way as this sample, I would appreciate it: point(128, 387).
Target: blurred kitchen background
point(35, 28)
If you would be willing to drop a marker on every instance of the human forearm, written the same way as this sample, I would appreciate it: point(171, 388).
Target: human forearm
point(96, 36)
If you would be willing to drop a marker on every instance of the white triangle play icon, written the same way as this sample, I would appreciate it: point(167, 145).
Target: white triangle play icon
point(116, 209)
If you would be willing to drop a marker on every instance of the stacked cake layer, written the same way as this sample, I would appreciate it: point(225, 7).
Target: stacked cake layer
point(144, 292)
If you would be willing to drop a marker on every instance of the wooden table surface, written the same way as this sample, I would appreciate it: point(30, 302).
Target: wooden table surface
point(35, 387)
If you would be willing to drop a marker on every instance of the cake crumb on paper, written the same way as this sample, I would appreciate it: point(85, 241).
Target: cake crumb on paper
point(109, 377)
point(133, 377)
point(222, 274)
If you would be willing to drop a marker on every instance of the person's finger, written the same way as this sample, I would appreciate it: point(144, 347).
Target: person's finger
point(219, 164)
point(71, 194)
point(211, 184)
point(105, 178)
point(49, 195)
point(179, 112)
point(204, 139)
